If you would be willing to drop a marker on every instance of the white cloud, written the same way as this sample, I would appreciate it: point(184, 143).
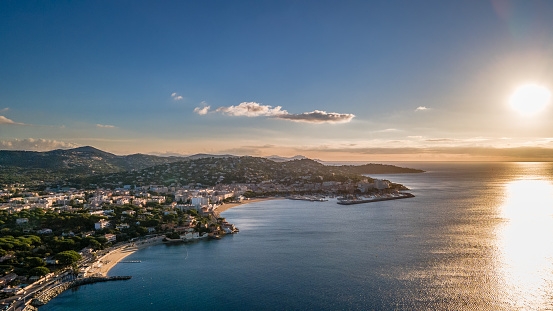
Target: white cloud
point(105, 126)
point(318, 116)
point(4, 120)
point(252, 109)
point(4, 109)
point(421, 108)
point(33, 144)
point(176, 97)
point(202, 110)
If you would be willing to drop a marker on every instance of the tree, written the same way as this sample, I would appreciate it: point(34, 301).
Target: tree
point(95, 244)
point(40, 271)
point(142, 230)
point(33, 262)
point(68, 257)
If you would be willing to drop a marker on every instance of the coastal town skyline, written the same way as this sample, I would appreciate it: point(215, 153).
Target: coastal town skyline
point(336, 81)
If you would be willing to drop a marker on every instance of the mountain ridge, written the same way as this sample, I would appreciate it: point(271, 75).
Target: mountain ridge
point(81, 163)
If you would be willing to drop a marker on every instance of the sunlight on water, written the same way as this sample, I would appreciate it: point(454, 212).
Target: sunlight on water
point(526, 258)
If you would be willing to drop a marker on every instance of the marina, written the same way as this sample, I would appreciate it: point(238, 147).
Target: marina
point(370, 199)
point(311, 198)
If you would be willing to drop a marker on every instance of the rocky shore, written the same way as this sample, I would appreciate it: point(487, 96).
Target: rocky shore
point(50, 293)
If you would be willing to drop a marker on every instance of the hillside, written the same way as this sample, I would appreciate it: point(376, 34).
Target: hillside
point(211, 171)
point(50, 166)
point(379, 169)
point(88, 165)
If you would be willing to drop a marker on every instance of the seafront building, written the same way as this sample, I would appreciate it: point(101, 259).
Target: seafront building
point(203, 198)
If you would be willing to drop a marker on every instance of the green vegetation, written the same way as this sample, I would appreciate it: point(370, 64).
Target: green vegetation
point(39, 271)
point(211, 171)
point(68, 257)
point(40, 168)
point(24, 250)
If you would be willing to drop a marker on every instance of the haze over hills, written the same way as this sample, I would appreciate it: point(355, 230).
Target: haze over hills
point(284, 159)
point(90, 165)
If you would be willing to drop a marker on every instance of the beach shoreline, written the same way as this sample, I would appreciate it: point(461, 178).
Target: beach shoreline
point(104, 264)
point(228, 206)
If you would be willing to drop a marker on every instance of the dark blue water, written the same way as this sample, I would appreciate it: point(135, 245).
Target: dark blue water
point(476, 236)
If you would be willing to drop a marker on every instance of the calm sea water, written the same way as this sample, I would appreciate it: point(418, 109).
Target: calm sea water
point(476, 236)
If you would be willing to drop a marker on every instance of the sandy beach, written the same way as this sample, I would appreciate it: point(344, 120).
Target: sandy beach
point(108, 261)
point(227, 206)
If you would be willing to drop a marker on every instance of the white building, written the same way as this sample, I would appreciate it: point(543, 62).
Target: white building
point(199, 201)
point(101, 224)
point(110, 237)
point(381, 184)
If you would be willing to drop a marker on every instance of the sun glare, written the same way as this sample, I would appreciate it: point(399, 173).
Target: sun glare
point(525, 250)
point(530, 99)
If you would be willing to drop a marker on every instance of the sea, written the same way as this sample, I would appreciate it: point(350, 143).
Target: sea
point(477, 236)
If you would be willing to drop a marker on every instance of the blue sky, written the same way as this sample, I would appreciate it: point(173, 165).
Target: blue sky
point(354, 80)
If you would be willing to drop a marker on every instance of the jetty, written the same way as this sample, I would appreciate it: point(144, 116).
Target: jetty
point(375, 199)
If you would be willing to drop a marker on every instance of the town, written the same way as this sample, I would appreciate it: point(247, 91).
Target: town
point(44, 234)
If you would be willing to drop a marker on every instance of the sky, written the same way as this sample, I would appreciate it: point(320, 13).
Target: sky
point(424, 80)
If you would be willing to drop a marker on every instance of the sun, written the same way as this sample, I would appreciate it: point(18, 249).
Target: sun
point(530, 99)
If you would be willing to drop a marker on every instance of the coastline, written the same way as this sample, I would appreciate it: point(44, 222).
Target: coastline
point(105, 263)
point(228, 206)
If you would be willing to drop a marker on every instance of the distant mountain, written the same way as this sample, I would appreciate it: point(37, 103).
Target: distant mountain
point(284, 159)
point(82, 160)
point(203, 155)
point(85, 165)
point(379, 169)
point(25, 166)
point(86, 150)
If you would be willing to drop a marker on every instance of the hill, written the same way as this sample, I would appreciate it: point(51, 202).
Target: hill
point(253, 170)
point(88, 165)
point(50, 166)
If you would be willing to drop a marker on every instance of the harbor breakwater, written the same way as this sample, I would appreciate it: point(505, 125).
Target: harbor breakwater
point(52, 292)
point(377, 199)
